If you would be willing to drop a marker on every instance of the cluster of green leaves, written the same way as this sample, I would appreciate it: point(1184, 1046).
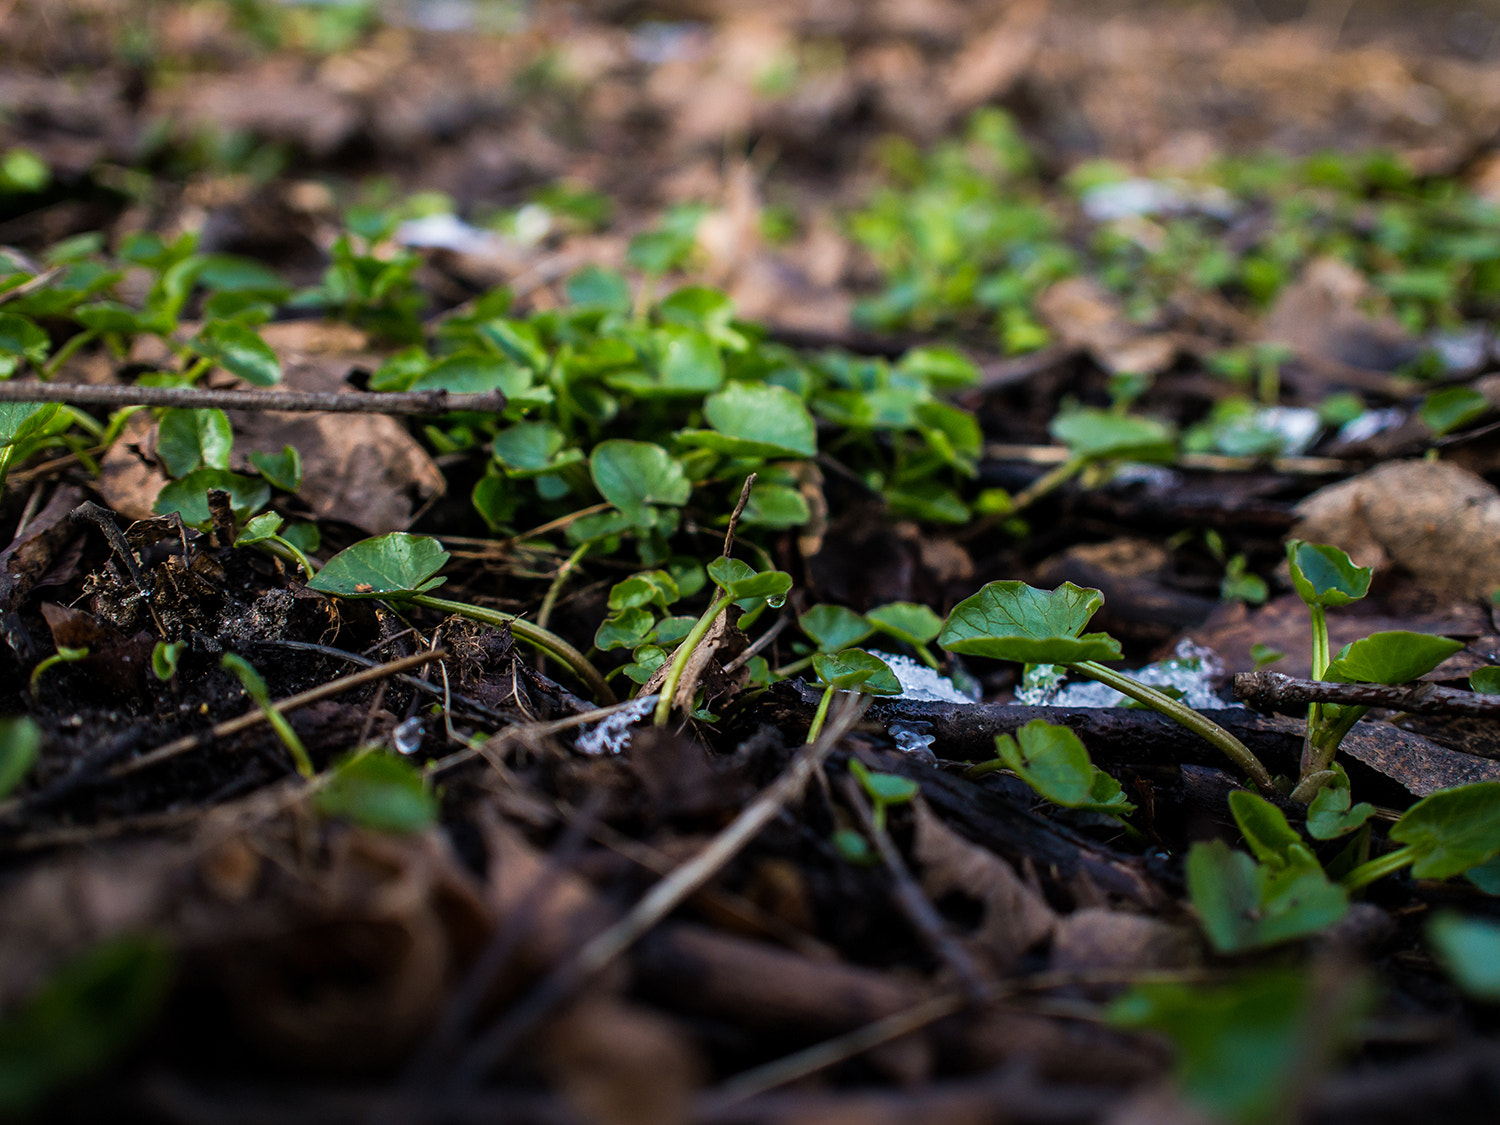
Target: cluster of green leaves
point(1054, 762)
point(968, 232)
point(1325, 576)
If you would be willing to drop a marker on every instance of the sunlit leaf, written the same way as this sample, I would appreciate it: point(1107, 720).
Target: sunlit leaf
point(240, 351)
point(1391, 658)
point(396, 563)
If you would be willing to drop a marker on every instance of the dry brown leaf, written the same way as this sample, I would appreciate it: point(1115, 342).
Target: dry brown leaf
point(1084, 316)
point(1015, 917)
point(1098, 938)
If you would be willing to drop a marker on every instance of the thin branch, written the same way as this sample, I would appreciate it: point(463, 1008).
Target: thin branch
point(1286, 695)
point(739, 509)
point(196, 398)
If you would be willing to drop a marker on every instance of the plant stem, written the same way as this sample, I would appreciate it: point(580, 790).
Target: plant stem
point(322, 402)
point(683, 651)
point(1388, 864)
point(534, 635)
point(66, 352)
point(819, 715)
point(1047, 482)
point(1200, 725)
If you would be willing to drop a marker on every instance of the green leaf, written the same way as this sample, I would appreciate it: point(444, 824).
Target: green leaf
point(530, 449)
point(740, 580)
point(1092, 435)
point(21, 339)
point(477, 372)
point(1390, 658)
point(392, 564)
point(1051, 759)
point(1324, 575)
point(884, 788)
point(240, 351)
point(1469, 949)
point(283, 470)
point(756, 420)
point(258, 530)
point(775, 505)
point(856, 670)
point(164, 659)
point(1330, 814)
point(1013, 621)
point(906, 621)
point(596, 288)
point(191, 439)
point(1264, 654)
point(189, 495)
point(230, 273)
point(651, 587)
point(1452, 830)
point(942, 369)
point(1448, 409)
point(1243, 905)
point(834, 627)
point(20, 745)
point(1242, 1048)
point(624, 629)
point(517, 340)
point(22, 420)
point(86, 1015)
point(1486, 680)
point(634, 475)
point(1264, 827)
point(378, 791)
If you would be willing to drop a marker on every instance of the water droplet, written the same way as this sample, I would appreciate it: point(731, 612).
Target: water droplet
point(777, 602)
point(407, 737)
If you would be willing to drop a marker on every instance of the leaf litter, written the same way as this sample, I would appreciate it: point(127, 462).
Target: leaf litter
point(440, 923)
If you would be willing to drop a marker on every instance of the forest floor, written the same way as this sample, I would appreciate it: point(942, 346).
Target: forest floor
point(799, 336)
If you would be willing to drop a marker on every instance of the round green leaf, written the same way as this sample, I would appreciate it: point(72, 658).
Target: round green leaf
point(834, 627)
point(906, 621)
point(740, 580)
point(378, 791)
point(1324, 575)
point(392, 564)
point(1013, 621)
point(1390, 658)
point(633, 475)
point(1452, 830)
point(756, 420)
point(1051, 760)
point(189, 496)
point(1469, 949)
point(1093, 435)
point(240, 351)
point(190, 439)
point(856, 670)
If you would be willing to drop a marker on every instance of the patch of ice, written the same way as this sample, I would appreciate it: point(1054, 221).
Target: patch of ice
point(1191, 669)
point(407, 735)
point(1370, 423)
point(1297, 426)
point(446, 232)
point(612, 734)
point(919, 681)
point(915, 739)
point(1463, 351)
point(1129, 198)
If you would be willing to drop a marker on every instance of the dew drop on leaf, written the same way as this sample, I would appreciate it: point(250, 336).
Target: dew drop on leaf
point(777, 602)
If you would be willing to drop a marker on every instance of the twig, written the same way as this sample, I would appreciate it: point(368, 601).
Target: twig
point(1287, 695)
point(739, 510)
point(196, 398)
point(777, 628)
point(291, 703)
point(914, 903)
point(40, 281)
point(1206, 462)
point(602, 950)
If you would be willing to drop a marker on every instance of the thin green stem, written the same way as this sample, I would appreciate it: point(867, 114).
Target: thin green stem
point(792, 669)
point(1049, 481)
point(820, 714)
point(65, 353)
point(1199, 724)
point(533, 635)
point(1310, 752)
point(680, 656)
point(549, 603)
point(1378, 868)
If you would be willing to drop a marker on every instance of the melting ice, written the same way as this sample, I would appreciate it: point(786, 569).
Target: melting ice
point(1191, 669)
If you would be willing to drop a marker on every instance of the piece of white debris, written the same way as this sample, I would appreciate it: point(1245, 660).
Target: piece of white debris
point(915, 739)
point(1192, 669)
point(612, 734)
point(919, 681)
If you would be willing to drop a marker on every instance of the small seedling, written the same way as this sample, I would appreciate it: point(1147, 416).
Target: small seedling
point(1014, 621)
point(164, 659)
point(850, 670)
point(63, 655)
point(255, 688)
point(884, 791)
point(1053, 761)
point(1448, 833)
point(379, 791)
